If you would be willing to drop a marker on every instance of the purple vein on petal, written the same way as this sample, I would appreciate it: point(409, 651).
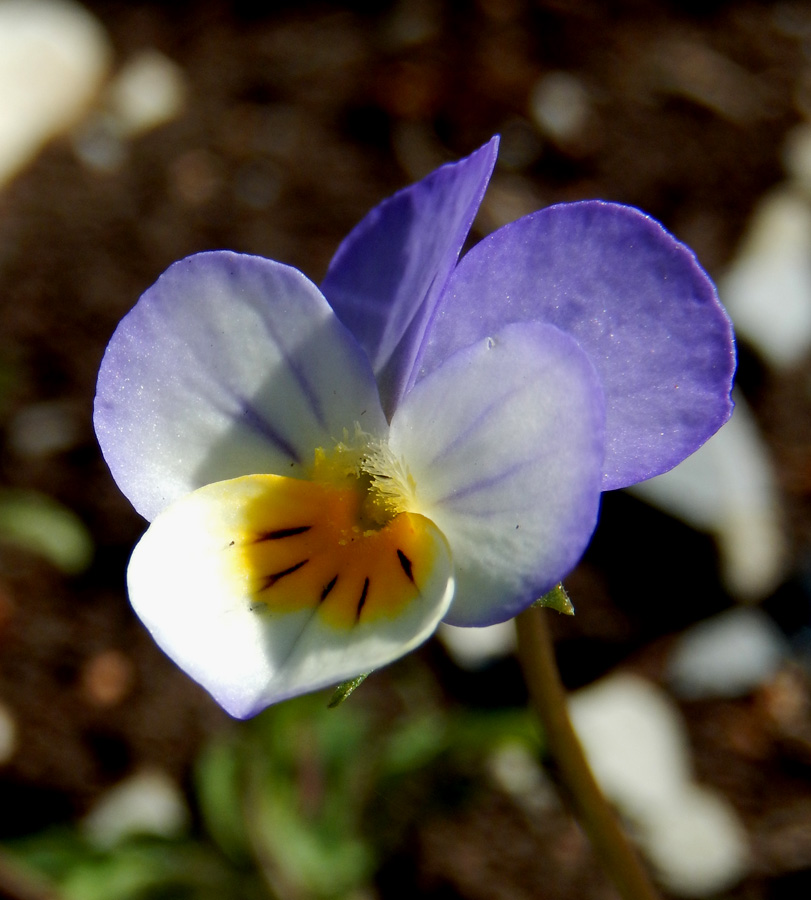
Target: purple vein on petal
point(250, 416)
point(485, 483)
point(297, 371)
point(477, 423)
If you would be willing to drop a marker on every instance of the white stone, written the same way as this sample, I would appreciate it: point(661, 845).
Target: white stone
point(518, 773)
point(767, 289)
point(53, 58)
point(728, 655)
point(560, 105)
point(474, 648)
point(633, 738)
point(635, 742)
point(697, 844)
point(98, 143)
point(42, 429)
point(149, 91)
point(727, 488)
point(149, 802)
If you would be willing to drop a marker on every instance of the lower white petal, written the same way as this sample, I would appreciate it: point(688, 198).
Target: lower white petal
point(264, 587)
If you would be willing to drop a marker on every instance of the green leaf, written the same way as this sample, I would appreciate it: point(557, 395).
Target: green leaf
point(219, 779)
point(558, 600)
point(42, 525)
point(343, 691)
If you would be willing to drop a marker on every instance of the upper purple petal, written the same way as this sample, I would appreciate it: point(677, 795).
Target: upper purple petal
point(637, 302)
point(389, 272)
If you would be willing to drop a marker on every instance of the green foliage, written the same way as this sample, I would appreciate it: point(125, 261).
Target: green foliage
point(40, 524)
point(302, 801)
point(345, 690)
point(294, 776)
point(322, 792)
point(138, 869)
point(557, 599)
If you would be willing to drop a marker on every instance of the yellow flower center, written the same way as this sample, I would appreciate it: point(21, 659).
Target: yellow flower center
point(368, 466)
point(342, 542)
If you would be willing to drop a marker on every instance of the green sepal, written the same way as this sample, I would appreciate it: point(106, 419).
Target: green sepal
point(558, 600)
point(346, 688)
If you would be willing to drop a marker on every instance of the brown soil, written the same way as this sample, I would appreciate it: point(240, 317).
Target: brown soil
point(297, 121)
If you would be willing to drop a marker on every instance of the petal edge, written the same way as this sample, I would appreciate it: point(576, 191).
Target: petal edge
point(228, 365)
point(212, 581)
point(504, 443)
point(389, 272)
point(637, 302)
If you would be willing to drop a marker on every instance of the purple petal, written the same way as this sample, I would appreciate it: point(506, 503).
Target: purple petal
point(228, 365)
point(636, 301)
point(389, 272)
point(504, 445)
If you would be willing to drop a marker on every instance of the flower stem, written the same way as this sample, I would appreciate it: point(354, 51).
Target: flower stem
point(536, 652)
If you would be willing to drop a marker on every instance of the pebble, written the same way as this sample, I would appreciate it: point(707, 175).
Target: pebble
point(634, 740)
point(560, 105)
point(149, 91)
point(729, 655)
point(697, 844)
point(44, 429)
point(727, 489)
point(636, 744)
point(767, 289)
point(148, 802)
point(54, 56)
point(106, 678)
point(519, 774)
point(475, 648)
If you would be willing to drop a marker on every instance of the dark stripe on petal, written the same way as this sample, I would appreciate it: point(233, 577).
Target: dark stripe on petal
point(270, 580)
point(303, 383)
point(282, 533)
point(405, 562)
point(363, 594)
point(251, 417)
point(327, 589)
point(468, 433)
point(486, 483)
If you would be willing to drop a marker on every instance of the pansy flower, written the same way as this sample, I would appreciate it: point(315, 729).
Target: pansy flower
point(329, 473)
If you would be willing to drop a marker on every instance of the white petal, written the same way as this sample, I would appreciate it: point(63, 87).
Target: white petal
point(229, 365)
point(504, 443)
point(237, 583)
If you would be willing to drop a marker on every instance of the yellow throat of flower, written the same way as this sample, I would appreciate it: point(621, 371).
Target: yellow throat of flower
point(368, 466)
point(343, 542)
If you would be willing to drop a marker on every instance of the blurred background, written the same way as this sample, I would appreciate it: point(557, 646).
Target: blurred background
point(135, 133)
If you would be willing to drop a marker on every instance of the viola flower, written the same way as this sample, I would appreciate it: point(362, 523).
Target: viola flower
point(330, 473)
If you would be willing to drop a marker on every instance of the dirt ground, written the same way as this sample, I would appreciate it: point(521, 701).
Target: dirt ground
point(297, 120)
